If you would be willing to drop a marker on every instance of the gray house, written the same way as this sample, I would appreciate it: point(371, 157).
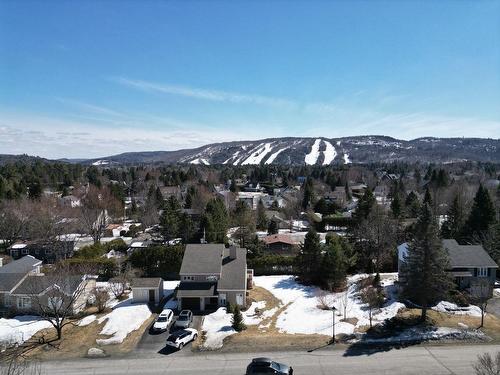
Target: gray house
point(472, 269)
point(212, 276)
point(21, 281)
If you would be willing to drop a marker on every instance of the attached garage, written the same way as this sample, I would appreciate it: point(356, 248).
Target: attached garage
point(190, 303)
point(192, 295)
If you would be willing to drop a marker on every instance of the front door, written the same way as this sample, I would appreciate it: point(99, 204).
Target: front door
point(222, 299)
point(152, 295)
point(239, 299)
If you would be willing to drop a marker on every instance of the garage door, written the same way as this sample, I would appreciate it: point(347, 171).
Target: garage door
point(191, 303)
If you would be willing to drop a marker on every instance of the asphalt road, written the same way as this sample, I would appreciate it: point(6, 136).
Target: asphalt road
point(417, 360)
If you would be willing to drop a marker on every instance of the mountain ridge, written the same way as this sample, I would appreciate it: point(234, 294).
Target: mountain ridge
point(311, 151)
point(321, 151)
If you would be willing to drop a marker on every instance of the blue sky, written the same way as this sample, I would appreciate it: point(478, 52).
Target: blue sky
point(94, 78)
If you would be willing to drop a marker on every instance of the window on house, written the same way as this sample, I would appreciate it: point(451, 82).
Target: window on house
point(25, 251)
point(23, 302)
point(54, 303)
point(7, 301)
point(482, 272)
point(14, 253)
point(188, 278)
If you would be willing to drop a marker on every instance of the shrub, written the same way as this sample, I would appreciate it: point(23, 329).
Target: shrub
point(237, 321)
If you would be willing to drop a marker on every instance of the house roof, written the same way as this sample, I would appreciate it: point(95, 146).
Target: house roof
point(22, 265)
point(234, 276)
point(202, 259)
point(146, 282)
point(196, 289)
point(35, 284)
point(277, 238)
point(467, 255)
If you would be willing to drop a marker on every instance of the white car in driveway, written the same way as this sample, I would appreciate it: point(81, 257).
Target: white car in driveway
point(180, 338)
point(163, 321)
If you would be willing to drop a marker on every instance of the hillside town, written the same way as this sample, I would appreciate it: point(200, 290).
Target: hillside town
point(103, 260)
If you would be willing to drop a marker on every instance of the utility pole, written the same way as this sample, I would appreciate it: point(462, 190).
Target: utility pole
point(333, 325)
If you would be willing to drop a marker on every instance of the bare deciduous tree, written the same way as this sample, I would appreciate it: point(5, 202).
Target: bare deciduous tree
point(14, 215)
point(58, 296)
point(96, 208)
point(487, 365)
point(101, 297)
point(344, 303)
point(325, 300)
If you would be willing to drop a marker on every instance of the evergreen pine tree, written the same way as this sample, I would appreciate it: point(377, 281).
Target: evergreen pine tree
point(481, 217)
point(412, 205)
point(428, 197)
point(272, 227)
point(454, 222)
point(237, 319)
point(333, 266)
point(215, 221)
point(308, 261)
point(426, 280)
point(396, 206)
point(365, 206)
point(261, 216)
point(308, 193)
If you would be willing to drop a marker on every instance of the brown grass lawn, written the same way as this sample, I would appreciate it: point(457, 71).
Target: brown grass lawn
point(491, 322)
point(76, 341)
point(269, 338)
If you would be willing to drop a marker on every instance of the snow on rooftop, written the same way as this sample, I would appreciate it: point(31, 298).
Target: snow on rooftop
point(312, 157)
point(19, 246)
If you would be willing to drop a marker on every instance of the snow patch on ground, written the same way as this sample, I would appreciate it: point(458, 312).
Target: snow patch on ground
point(125, 318)
point(346, 158)
point(312, 156)
point(330, 153)
point(275, 155)
point(451, 308)
point(217, 327)
point(257, 156)
point(87, 320)
point(304, 316)
point(20, 329)
point(251, 317)
point(419, 334)
point(200, 161)
point(169, 286)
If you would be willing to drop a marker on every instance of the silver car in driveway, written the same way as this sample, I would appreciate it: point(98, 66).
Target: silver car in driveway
point(184, 320)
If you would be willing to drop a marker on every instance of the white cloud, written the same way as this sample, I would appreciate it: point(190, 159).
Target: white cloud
point(61, 138)
point(83, 106)
point(204, 94)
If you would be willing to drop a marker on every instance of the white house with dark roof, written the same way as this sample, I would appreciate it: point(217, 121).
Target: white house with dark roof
point(472, 269)
point(211, 276)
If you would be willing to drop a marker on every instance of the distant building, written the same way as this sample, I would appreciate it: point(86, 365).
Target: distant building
point(48, 252)
point(472, 269)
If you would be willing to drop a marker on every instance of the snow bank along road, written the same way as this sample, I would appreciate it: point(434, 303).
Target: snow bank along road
point(417, 360)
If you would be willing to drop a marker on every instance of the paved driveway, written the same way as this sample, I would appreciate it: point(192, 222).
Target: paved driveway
point(154, 343)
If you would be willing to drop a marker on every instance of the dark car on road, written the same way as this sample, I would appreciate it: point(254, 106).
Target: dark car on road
point(262, 366)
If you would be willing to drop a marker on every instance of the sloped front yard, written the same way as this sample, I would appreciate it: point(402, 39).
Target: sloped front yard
point(286, 314)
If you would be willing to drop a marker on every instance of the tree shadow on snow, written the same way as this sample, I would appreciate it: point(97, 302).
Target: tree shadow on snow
point(292, 283)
